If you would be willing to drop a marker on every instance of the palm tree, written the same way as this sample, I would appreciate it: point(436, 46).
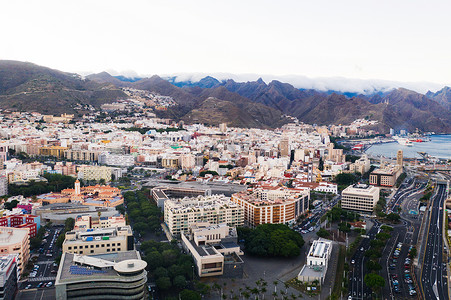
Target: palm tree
point(255, 291)
point(263, 290)
point(246, 295)
point(286, 287)
point(275, 285)
point(274, 294)
point(293, 296)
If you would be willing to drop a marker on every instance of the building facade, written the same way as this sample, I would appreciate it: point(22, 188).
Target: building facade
point(111, 276)
point(216, 209)
point(15, 241)
point(99, 241)
point(273, 206)
point(360, 197)
point(8, 277)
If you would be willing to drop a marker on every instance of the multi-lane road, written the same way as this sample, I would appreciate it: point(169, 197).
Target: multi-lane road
point(433, 270)
point(357, 287)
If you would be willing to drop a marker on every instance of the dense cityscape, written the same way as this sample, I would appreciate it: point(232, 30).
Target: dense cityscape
point(120, 203)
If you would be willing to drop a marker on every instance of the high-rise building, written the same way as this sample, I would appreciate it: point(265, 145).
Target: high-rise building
point(399, 158)
point(284, 147)
point(119, 275)
point(3, 185)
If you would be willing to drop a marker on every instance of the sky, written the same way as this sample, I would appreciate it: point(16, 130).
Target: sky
point(321, 41)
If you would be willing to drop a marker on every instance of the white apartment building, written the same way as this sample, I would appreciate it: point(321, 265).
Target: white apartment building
point(121, 160)
point(360, 197)
point(95, 173)
point(181, 213)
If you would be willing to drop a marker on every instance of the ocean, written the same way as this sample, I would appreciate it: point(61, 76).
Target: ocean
point(439, 146)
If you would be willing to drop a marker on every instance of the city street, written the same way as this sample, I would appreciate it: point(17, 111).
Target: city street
point(33, 287)
point(433, 268)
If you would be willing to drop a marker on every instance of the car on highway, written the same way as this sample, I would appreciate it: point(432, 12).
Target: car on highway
point(40, 284)
point(352, 261)
point(49, 284)
point(28, 286)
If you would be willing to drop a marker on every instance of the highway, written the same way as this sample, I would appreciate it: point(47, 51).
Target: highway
point(433, 270)
point(358, 289)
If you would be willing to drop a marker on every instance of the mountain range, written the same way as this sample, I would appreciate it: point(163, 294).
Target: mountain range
point(25, 86)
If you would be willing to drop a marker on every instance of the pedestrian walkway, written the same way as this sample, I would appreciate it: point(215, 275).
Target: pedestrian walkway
point(38, 279)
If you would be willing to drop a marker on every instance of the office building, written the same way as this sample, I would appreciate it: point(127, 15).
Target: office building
point(385, 176)
point(15, 241)
point(8, 277)
point(284, 147)
point(360, 197)
point(214, 249)
point(179, 214)
point(99, 241)
point(119, 275)
point(317, 261)
point(272, 205)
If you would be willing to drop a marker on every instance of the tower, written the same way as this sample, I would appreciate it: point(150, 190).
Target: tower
point(77, 187)
point(399, 158)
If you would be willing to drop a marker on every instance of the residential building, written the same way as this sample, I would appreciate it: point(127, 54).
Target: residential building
point(95, 173)
point(15, 241)
point(214, 249)
point(8, 277)
point(32, 222)
point(65, 168)
point(98, 241)
point(121, 275)
point(272, 205)
point(3, 185)
point(106, 158)
point(317, 261)
point(88, 222)
point(179, 214)
point(284, 147)
point(56, 151)
point(81, 155)
point(360, 197)
point(362, 165)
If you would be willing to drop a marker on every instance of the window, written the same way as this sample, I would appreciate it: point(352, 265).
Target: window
point(97, 246)
point(107, 245)
point(69, 248)
point(113, 244)
point(75, 247)
point(86, 246)
point(103, 245)
point(92, 246)
point(107, 250)
point(92, 251)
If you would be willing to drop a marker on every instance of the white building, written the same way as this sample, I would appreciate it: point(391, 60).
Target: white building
point(360, 197)
point(121, 160)
point(181, 213)
point(317, 261)
point(3, 186)
point(95, 173)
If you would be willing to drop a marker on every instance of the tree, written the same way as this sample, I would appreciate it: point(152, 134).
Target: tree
point(163, 283)
point(179, 281)
point(374, 281)
point(394, 217)
point(190, 295)
point(373, 266)
point(345, 179)
point(321, 164)
point(323, 233)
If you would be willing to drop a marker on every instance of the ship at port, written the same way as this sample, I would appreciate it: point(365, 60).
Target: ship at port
point(403, 141)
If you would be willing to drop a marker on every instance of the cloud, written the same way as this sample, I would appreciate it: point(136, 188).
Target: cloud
point(339, 84)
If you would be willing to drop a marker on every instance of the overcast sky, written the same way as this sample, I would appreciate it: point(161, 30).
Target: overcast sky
point(401, 40)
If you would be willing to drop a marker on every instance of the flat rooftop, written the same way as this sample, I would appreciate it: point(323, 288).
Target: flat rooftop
point(72, 270)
